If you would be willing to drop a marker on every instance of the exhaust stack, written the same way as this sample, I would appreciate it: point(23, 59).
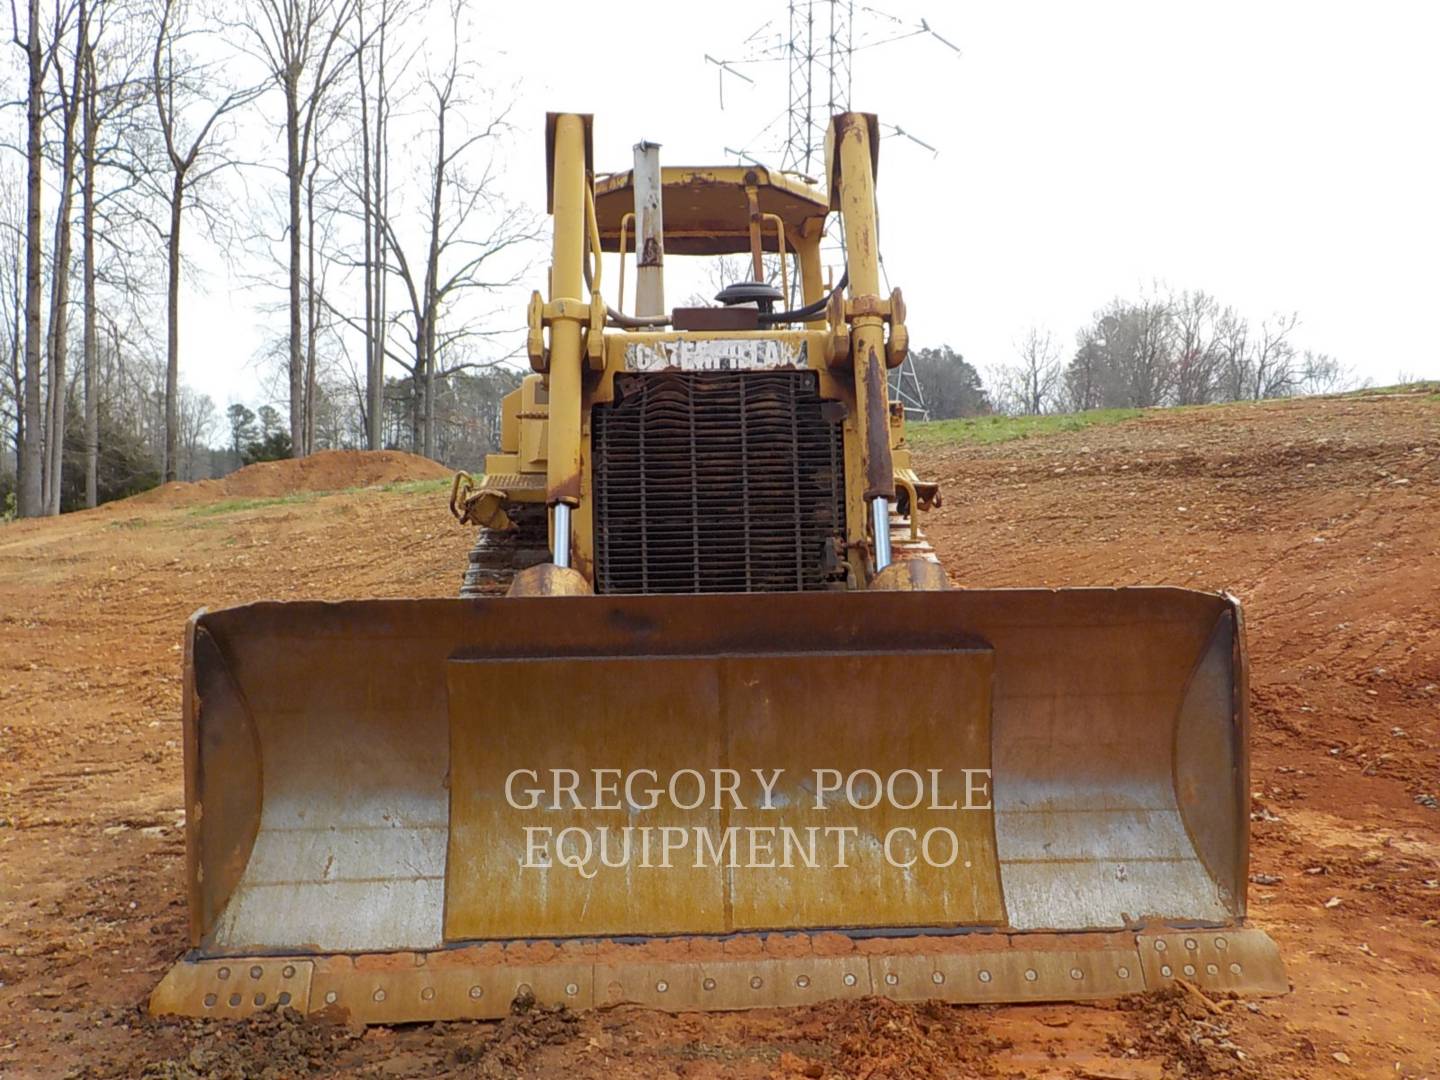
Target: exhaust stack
point(649, 232)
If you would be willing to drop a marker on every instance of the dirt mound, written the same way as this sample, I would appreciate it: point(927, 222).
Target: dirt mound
point(505, 1049)
point(884, 1040)
point(1187, 1031)
point(274, 1044)
point(329, 470)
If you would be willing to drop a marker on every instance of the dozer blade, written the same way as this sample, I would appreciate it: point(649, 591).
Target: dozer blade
point(414, 810)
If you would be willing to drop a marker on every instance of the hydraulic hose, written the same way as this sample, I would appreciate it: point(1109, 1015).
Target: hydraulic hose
point(629, 322)
point(809, 311)
point(804, 314)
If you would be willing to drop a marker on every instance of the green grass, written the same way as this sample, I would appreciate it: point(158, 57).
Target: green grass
point(1420, 387)
point(985, 430)
point(235, 506)
point(418, 487)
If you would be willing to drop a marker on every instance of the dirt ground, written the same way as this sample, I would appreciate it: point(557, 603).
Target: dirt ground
point(1321, 515)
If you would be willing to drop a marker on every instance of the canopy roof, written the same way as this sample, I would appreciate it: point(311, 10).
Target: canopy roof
point(706, 212)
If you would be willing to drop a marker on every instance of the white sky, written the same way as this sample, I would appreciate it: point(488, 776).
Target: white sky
point(1280, 155)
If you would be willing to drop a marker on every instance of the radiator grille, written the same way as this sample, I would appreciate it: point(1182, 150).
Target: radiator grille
point(718, 482)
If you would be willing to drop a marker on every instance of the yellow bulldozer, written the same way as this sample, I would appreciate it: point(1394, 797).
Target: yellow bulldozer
point(709, 728)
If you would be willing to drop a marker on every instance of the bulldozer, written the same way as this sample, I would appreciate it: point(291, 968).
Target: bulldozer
point(710, 727)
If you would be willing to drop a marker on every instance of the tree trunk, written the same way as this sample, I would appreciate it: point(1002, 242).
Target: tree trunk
point(311, 318)
point(297, 369)
point(60, 289)
point(172, 330)
point(367, 405)
point(378, 158)
point(15, 367)
point(430, 386)
point(28, 502)
point(371, 431)
point(432, 281)
point(91, 124)
point(417, 396)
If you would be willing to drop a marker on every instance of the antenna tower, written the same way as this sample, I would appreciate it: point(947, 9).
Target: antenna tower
point(818, 51)
point(818, 54)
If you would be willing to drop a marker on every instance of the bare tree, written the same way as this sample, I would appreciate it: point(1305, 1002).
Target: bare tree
point(1272, 359)
point(68, 88)
point(1232, 335)
point(1179, 349)
point(1085, 375)
point(90, 126)
point(301, 43)
point(372, 44)
point(321, 214)
point(1031, 383)
point(1197, 356)
point(1148, 366)
point(1127, 357)
point(12, 306)
point(115, 94)
point(1321, 373)
point(29, 502)
point(466, 228)
point(189, 110)
point(197, 421)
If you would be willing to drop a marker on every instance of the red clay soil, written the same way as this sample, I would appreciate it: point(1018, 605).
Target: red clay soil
point(1322, 516)
point(329, 470)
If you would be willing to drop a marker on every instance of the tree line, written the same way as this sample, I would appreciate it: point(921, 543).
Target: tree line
point(351, 167)
point(150, 123)
point(1164, 348)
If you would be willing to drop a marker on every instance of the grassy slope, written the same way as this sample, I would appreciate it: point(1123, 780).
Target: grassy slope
point(231, 506)
point(984, 430)
point(998, 429)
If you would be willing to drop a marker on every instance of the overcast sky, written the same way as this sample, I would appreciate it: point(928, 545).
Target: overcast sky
point(1280, 155)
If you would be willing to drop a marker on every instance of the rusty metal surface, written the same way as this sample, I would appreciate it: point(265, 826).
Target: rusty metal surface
point(1090, 829)
point(649, 232)
point(348, 710)
point(1057, 972)
point(1244, 961)
point(567, 314)
point(717, 482)
point(513, 482)
point(911, 574)
point(223, 762)
point(715, 318)
point(346, 842)
point(852, 152)
point(547, 579)
point(706, 212)
point(507, 715)
point(421, 987)
point(349, 745)
point(234, 988)
point(497, 557)
point(727, 985)
point(744, 713)
point(796, 713)
point(478, 984)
